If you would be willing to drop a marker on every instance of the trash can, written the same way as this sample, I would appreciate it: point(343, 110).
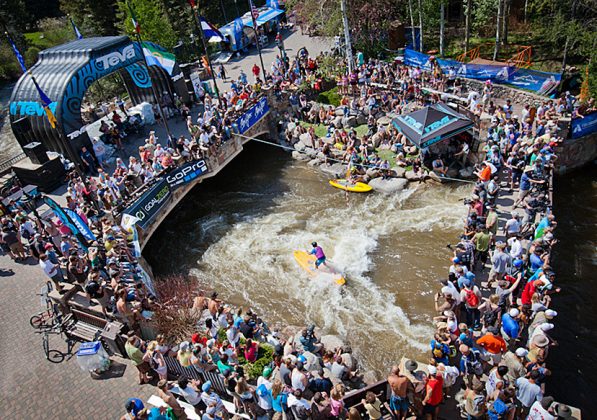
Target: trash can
point(92, 357)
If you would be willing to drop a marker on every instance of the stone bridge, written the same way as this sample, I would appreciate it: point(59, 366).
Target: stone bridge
point(265, 127)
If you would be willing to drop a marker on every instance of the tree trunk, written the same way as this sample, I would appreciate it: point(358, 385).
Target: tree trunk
point(565, 54)
point(441, 28)
point(421, 25)
point(526, 6)
point(412, 23)
point(467, 25)
point(498, 28)
point(505, 14)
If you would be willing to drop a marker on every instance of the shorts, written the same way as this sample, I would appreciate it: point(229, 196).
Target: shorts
point(17, 247)
point(522, 194)
point(143, 367)
point(398, 403)
point(429, 409)
point(319, 261)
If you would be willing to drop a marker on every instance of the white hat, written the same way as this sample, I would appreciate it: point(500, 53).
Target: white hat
point(550, 313)
point(514, 312)
point(521, 352)
point(546, 326)
point(432, 370)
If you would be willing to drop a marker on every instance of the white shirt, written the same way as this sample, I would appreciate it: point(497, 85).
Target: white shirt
point(296, 379)
point(453, 291)
point(450, 375)
point(537, 412)
point(49, 268)
point(513, 226)
point(265, 403)
point(515, 247)
point(189, 394)
point(295, 402)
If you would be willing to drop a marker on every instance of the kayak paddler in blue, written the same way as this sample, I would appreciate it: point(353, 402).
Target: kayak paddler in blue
point(319, 254)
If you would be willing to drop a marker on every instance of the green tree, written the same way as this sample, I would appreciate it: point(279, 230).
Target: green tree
point(152, 19)
point(93, 17)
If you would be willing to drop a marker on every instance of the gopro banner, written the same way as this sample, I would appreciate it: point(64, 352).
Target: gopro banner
point(186, 174)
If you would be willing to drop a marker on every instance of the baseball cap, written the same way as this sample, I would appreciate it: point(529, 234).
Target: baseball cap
point(546, 326)
point(514, 312)
point(550, 313)
point(206, 386)
point(432, 370)
point(521, 352)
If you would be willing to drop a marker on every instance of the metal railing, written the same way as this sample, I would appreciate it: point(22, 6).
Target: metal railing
point(7, 164)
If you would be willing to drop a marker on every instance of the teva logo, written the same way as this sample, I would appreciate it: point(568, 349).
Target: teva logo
point(116, 57)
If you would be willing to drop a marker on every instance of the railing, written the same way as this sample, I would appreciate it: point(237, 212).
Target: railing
point(7, 164)
point(469, 55)
point(522, 58)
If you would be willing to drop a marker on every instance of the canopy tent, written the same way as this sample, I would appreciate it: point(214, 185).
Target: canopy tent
point(265, 15)
point(431, 124)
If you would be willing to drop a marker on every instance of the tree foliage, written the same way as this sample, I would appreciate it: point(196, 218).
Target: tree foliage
point(95, 17)
point(151, 17)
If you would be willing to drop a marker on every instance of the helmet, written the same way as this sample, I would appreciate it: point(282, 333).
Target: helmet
point(314, 243)
point(517, 263)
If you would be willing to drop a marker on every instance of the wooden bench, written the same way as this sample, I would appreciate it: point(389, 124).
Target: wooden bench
point(87, 327)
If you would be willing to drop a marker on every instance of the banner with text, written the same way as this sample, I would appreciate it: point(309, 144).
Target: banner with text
point(536, 81)
point(146, 207)
point(584, 126)
point(252, 116)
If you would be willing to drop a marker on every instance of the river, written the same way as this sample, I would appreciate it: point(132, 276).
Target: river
point(237, 232)
point(574, 361)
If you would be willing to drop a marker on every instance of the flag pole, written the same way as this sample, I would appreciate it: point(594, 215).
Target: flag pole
point(202, 35)
point(251, 8)
point(155, 95)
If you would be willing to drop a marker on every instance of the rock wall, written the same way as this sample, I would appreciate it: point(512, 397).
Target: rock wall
point(574, 153)
point(517, 96)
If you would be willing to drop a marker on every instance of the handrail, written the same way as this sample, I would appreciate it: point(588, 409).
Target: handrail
point(7, 164)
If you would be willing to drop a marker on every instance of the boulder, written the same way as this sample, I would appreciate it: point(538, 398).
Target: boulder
point(331, 342)
point(309, 151)
point(337, 122)
point(411, 176)
point(383, 121)
point(315, 106)
point(452, 173)
point(314, 162)
point(339, 111)
point(434, 177)
point(305, 138)
point(320, 155)
point(312, 363)
point(466, 172)
point(350, 361)
point(376, 139)
point(371, 172)
point(299, 146)
point(370, 378)
point(388, 186)
point(350, 121)
point(337, 169)
point(361, 119)
point(400, 171)
point(299, 156)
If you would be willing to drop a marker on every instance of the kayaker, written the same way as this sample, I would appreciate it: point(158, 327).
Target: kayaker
point(319, 254)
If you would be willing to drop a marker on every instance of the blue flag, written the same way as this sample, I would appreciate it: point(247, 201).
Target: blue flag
point(17, 54)
point(77, 33)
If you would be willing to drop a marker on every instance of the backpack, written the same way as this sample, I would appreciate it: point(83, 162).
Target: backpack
point(490, 317)
point(25, 234)
point(153, 363)
point(471, 298)
point(472, 363)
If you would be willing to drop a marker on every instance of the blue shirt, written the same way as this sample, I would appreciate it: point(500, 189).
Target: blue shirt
point(138, 405)
point(525, 183)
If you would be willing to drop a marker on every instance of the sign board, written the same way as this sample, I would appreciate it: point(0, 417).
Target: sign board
point(584, 126)
point(150, 203)
point(252, 115)
point(186, 174)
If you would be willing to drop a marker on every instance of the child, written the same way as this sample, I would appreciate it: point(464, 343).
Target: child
point(372, 405)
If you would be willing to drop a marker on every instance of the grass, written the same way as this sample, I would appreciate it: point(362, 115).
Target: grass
point(35, 40)
point(330, 97)
point(321, 130)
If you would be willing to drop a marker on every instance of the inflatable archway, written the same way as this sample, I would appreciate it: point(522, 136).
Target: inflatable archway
point(65, 72)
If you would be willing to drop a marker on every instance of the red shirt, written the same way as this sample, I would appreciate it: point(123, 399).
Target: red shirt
point(528, 292)
point(437, 394)
point(251, 353)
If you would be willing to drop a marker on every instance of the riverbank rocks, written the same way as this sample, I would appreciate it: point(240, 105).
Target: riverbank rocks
point(400, 171)
point(388, 186)
point(299, 156)
point(331, 342)
point(314, 162)
point(337, 169)
point(466, 172)
point(383, 120)
point(309, 151)
point(350, 122)
point(337, 122)
point(434, 177)
point(361, 119)
point(299, 146)
point(411, 176)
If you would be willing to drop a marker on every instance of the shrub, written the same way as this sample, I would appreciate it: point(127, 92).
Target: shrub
point(330, 97)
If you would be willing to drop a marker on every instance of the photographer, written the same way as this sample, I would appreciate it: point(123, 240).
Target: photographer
point(309, 342)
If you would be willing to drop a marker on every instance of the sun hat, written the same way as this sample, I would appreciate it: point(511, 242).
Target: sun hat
point(411, 365)
point(546, 326)
point(563, 411)
point(540, 340)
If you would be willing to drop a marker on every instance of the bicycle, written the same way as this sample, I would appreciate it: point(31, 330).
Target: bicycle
point(56, 356)
point(51, 316)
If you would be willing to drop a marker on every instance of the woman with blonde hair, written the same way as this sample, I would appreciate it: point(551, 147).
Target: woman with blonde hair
point(156, 360)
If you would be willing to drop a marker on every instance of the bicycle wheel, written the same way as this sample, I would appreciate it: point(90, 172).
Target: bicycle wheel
point(45, 345)
point(37, 321)
point(55, 356)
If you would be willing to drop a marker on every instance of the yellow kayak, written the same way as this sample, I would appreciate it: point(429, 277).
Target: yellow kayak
point(307, 262)
point(343, 184)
